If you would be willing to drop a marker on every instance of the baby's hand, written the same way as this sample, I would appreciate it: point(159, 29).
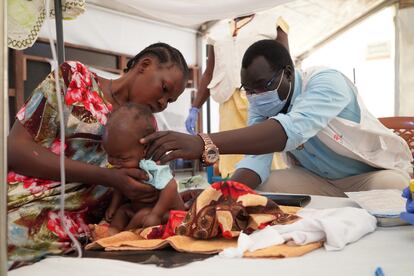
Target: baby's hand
point(109, 213)
point(151, 219)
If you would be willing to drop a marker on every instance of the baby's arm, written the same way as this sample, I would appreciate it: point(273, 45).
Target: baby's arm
point(116, 202)
point(169, 199)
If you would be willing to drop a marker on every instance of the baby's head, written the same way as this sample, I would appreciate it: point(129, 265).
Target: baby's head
point(126, 125)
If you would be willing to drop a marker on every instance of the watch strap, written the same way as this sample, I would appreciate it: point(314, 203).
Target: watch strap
point(206, 139)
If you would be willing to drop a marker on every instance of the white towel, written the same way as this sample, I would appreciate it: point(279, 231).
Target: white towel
point(338, 227)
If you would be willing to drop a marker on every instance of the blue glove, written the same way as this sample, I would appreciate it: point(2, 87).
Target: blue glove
point(409, 215)
point(191, 121)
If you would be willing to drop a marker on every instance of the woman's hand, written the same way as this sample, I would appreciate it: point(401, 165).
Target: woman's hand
point(165, 146)
point(129, 183)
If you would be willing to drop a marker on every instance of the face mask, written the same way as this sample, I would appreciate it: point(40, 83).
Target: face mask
point(268, 103)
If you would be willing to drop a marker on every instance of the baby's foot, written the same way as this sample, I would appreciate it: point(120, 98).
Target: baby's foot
point(152, 220)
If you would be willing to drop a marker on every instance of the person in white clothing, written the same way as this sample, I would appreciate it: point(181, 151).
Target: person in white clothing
point(316, 118)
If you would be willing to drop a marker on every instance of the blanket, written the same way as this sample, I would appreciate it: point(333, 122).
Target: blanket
point(214, 221)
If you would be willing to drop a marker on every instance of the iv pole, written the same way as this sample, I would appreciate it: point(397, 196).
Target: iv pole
point(59, 32)
point(4, 126)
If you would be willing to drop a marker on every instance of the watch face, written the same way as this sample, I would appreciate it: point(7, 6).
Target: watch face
point(212, 155)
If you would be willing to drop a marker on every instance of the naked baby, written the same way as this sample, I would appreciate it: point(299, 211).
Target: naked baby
point(125, 127)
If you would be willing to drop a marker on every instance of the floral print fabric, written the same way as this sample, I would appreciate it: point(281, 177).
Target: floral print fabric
point(222, 210)
point(34, 227)
point(227, 208)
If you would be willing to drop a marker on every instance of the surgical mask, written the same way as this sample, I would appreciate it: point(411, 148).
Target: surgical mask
point(268, 103)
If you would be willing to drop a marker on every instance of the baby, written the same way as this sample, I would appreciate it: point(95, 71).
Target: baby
point(125, 127)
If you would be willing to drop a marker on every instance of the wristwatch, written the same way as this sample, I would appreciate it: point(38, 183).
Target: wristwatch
point(211, 152)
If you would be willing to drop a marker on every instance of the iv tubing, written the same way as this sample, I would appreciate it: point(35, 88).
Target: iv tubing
point(55, 67)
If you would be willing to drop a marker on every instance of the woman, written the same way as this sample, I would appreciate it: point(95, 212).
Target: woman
point(154, 77)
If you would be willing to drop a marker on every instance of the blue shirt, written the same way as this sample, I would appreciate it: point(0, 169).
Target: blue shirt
point(328, 95)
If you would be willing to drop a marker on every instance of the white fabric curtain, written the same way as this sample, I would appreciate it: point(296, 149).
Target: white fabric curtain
point(405, 21)
point(310, 21)
point(190, 13)
point(110, 30)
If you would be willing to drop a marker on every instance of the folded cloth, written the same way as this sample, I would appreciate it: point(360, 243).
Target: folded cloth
point(338, 227)
point(158, 175)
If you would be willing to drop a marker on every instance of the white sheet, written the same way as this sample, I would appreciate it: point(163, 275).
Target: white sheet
point(337, 226)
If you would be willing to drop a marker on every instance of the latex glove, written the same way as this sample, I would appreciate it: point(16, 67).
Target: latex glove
point(410, 203)
point(409, 215)
point(191, 121)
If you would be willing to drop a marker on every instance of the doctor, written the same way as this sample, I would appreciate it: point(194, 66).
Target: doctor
point(316, 118)
point(221, 79)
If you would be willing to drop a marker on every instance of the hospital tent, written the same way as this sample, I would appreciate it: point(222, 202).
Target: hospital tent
point(127, 26)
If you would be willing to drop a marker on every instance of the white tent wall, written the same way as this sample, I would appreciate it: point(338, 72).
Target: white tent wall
point(129, 34)
point(114, 31)
point(367, 48)
point(191, 13)
point(405, 92)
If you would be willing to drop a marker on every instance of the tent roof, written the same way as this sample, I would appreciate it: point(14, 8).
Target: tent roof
point(188, 13)
point(311, 21)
